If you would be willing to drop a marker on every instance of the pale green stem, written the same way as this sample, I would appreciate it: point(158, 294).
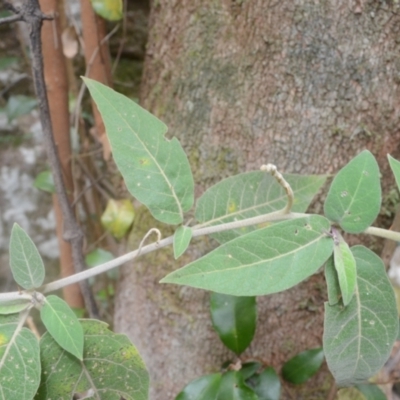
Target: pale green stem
point(384, 233)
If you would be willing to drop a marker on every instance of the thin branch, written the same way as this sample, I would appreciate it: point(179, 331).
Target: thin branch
point(32, 15)
point(384, 233)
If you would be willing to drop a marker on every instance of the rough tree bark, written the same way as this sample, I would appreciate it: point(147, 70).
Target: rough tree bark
point(304, 85)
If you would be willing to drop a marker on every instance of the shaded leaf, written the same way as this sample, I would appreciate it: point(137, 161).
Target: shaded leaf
point(267, 385)
point(303, 366)
point(252, 194)
point(332, 282)
point(395, 167)
point(371, 392)
point(63, 325)
point(14, 306)
point(156, 170)
point(118, 217)
point(233, 387)
point(204, 388)
point(358, 338)
point(345, 266)
point(354, 198)
point(234, 318)
point(249, 369)
point(25, 261)
point(111, 367)
point(7, 62)
point(19, 361)
point(19, 105)
point(108, 9)
point(182, 238)
point(98, 257)
point(44, 181)
point(261, 262)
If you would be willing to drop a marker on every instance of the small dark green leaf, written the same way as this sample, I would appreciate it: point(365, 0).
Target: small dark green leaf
point(354, 198)
point(332, 282)
point(63, 325)
point(44, 181)
point(7, 62)
point(204, 388)
point(233, 387)
point(303, 366)
point(267, 385)
point(358, 338)
point(345, 266)
point(261, 262)
point(249, 369)
point(182, 238)
point(371, 392)
point(234, 318)
point(97, 257)
point(25, 261)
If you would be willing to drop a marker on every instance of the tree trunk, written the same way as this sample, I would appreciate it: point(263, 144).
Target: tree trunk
point(305, 85)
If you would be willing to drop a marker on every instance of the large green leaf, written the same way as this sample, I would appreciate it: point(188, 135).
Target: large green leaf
point(19, 361)
point(63, 325)
point(25, 261)
point(354, 198)
point(261, 262)
point(233, 387)
point(234, 318)
point(111, 368)
point(204, 388)
point(251, 194)
point(303, 366)
point(358, 338)
point(345, 266)
point(156, 170)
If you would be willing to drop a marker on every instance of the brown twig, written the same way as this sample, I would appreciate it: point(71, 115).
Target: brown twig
point(30, 13)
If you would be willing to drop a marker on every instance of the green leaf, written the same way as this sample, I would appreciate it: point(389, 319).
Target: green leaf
point(303, 366)
point(371, 392)
point(358, 338)
point(63, 325)
point(156, 170)
point(98, 257)
point(25, 261)
point(108, 9)
point(332, 282)
point(395, 166)
point(44, 181)
point(265, 261)
point(234, 318)
point(252, 194)
point(118, 217)
point(249, 369)
point(14, 306)
point(204, 388)
point(7, 62)
point(354, 198)
point(19, 361)
point(19, 105)
point(111, 368)
point(182, 238)
point(233, 387)
point(266, 385)
point(345, 266)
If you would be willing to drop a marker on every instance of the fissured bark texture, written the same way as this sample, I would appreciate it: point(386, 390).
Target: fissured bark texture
point(302, 84)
